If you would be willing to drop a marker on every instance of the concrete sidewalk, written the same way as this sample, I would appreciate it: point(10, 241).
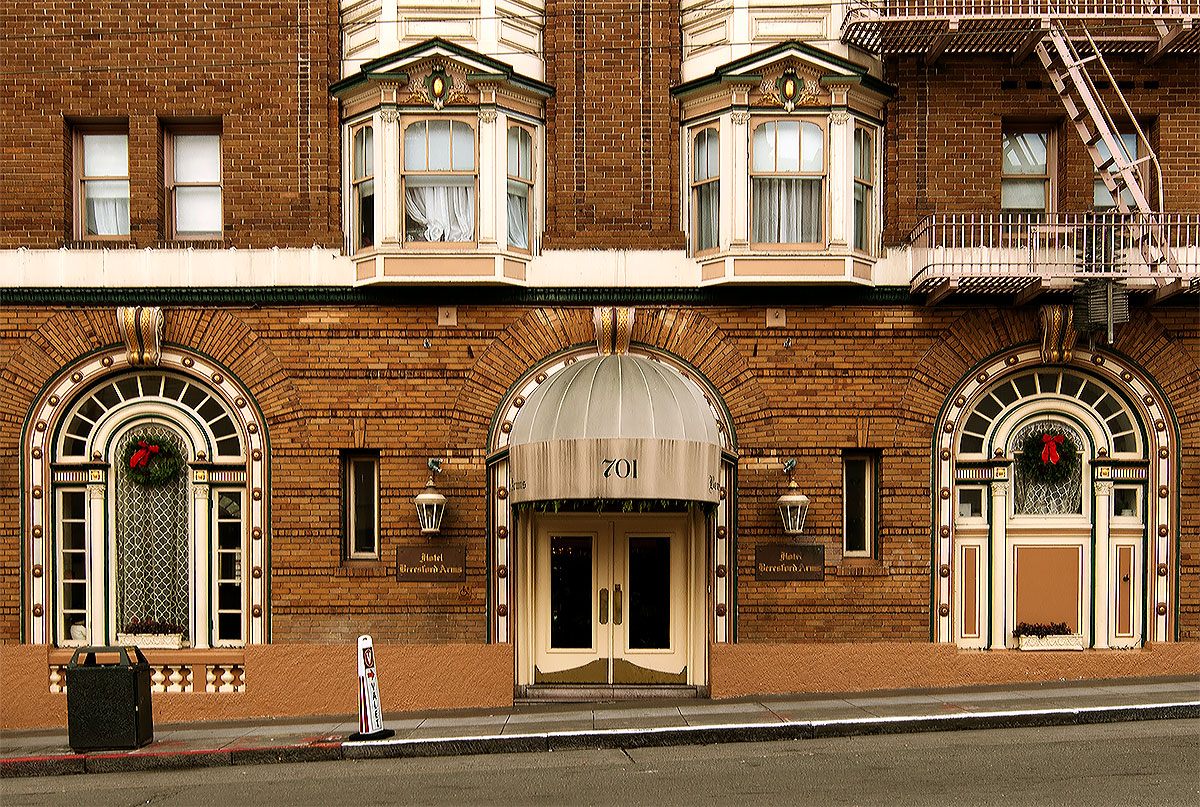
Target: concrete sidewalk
point(617, 725)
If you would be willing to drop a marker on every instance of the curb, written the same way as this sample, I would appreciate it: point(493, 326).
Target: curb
point(57, 765)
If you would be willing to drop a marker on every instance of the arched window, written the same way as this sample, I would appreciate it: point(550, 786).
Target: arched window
point(150, 476)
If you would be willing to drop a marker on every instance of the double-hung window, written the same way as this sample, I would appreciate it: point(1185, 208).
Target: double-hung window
point(439, 181)
point(363, 191)
point(520, 187)
point(858, 504)
point(193, 181)
point(706, 189)
point(864, 188)
point(102, 190)
point(787, 176)
point(1025, 186)
point(360, 475)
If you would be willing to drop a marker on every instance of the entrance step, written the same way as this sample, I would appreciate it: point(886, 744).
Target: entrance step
point(600, 693)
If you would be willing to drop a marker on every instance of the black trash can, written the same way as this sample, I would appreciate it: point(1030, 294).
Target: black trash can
point(108, 699)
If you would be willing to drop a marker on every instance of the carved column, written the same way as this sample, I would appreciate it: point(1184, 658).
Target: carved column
point(999, 566)
point(1101, 584)
point(201, 590)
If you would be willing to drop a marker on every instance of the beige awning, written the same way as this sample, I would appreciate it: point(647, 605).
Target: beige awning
point(615, 427)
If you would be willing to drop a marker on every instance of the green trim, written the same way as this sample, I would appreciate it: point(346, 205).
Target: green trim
point(226, 296)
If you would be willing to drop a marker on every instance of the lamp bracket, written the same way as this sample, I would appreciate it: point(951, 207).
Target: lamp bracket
point(435, 465)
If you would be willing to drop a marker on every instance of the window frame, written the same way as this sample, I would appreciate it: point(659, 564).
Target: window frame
point(80, 179)
point(1098, 180)
point(356, 241)
point(870, 496)
point(1049, 178)
point(349, 493)
point(696, 185)
point(822, 124)
point(473, 124)
point(60, 635)
point(530, 186)
point(239, 580)
point(171, 185)
point(867, 183)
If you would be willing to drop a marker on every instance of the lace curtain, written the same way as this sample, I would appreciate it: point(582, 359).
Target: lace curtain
point(440, 213)
point(787, 211)
point(152, 538)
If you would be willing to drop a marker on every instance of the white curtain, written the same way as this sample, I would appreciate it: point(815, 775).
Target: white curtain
point(107, 208)
point(440, 213)
point(518, 215)
point(787, 211)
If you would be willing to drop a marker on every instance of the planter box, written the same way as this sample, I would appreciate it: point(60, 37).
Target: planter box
point(153, 641)
point(1070, 641)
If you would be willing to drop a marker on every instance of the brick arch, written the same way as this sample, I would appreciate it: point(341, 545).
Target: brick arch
point(225, 338)
point(969, 340)
point(543, 332)
point(68, 335)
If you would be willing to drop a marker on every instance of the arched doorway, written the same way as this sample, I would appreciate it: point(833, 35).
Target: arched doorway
point(1055, 489)
point(144, 491)
point(605, 569)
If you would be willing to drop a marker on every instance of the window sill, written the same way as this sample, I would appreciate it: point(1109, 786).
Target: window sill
point(361, 568)
point(861, 567)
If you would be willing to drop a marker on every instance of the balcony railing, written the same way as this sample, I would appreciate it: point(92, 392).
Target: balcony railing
point(1006, 252)
point(1010, 26)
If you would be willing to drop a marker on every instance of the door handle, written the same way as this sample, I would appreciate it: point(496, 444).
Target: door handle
point(617, 609)
point(603, 606)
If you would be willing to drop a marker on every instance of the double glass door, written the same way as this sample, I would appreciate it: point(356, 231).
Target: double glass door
point(610, 600)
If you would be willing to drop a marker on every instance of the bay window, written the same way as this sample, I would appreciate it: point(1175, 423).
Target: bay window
point(362, 194)
point(520, 186)
point(706, 183)
point(787, 176)
point(864, 188)
point(439, 181)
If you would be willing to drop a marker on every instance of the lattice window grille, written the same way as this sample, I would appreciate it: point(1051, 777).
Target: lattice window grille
point(152, 540)
point(1039, 499)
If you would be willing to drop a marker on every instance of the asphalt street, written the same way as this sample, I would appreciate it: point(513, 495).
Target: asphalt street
point(1146, 762)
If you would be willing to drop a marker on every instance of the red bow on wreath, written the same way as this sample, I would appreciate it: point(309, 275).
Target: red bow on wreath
point(141, 457)
point(1050, 443)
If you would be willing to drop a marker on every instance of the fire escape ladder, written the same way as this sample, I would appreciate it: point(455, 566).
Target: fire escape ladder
point(1118, 169)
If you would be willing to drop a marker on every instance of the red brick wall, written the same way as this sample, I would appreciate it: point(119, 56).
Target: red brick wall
point(942, 148)
point(612, 126)
point(334, 378)
point(149, 63)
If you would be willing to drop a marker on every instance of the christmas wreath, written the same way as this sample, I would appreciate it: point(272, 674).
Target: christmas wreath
point(1047, 456)
point(151, 464)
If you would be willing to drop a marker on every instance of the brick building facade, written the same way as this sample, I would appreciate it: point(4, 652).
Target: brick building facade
point(426, 231)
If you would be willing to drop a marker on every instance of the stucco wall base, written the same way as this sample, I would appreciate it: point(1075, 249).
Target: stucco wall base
point(760, 669)
point(287, 681)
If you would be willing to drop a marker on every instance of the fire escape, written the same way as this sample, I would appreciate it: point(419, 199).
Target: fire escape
point(1136, 246)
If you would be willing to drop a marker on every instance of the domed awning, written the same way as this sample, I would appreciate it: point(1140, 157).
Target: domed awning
point(615, 427)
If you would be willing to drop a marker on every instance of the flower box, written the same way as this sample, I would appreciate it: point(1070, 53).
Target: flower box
point(1070, 641)
point(151, 641)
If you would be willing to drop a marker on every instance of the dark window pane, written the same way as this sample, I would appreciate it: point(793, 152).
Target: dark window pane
point(363, 485)
point(107, 396)
point(977, 425)
point(989, 407)
point(971, 445)
point(73, 505)
point(649, 593)
point(570, 592)
point(222, 426)
point(229, 596)
point(1025, 385)
point(229, 505)
point(210, 410)
point(229, 447)
point(74, 566)
point(857, 510)
point(229, 535)
point(194, 396)
point(151, 384)
point(75, 596)
point(1048, 382)
point(74, 447)
point(1070, 384)
point(129, 388)
point(1091, 393)
point(172, 387)
point(229, 627)
point(91, 410)
point(1005, 393)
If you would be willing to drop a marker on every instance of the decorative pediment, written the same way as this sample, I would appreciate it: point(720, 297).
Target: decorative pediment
point(791, 75)
point(438, 73)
